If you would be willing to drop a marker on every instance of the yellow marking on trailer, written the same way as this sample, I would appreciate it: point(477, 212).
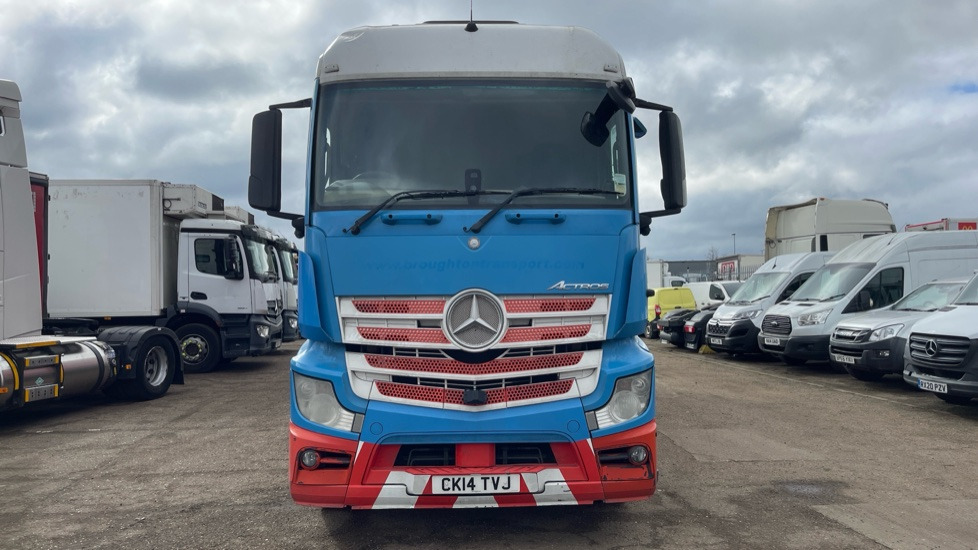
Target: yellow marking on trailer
point(26, 345)
point(13, 364)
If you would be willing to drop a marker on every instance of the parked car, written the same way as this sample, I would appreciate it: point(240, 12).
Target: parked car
point(871, 345)
point(713, 292)
point(694, 330)
point(942, 350)
point(671, 326)
point(663, 300)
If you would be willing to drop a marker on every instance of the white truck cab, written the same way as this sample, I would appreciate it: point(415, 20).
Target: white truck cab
point(864, 276)
point(288, 260)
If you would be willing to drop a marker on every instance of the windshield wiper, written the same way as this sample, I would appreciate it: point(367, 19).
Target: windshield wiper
point(433, 194)
point(477, 226)
point(833, 297)
point(758, 299)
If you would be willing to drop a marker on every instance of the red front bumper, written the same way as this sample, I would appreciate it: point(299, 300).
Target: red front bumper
point(366, 475)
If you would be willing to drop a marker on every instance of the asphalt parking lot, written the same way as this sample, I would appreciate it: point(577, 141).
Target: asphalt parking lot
point(753, 454)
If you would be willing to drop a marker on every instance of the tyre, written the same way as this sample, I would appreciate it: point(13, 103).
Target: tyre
point(954, 399)
point(156, 363)
point(648, 330)
point(864, 375)
point(200, 347)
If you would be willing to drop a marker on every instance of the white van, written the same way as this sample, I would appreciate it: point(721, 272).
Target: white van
point(940, 350)
point(736, 323)
point(865, 275)
point(713, 292)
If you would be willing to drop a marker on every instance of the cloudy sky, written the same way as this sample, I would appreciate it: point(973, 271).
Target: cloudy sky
point(781, 100)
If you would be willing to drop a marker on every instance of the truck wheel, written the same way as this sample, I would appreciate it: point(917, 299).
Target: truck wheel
point(156, 363)
point(200, 347)
point(648, 330)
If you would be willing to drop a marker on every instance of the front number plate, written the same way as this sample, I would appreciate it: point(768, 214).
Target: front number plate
point(716, 342)
point(844, 359)
point(475, 484)
point(772, 341)
point(936, 387)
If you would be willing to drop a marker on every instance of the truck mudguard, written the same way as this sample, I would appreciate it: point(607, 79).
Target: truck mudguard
point(127, 340)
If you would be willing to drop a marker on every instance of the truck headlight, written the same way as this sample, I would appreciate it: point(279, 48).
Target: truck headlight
point(747, 314)
point(883, 333)
point(814, 318)
point(262, 331)
point(317, 403)
point(629, 400)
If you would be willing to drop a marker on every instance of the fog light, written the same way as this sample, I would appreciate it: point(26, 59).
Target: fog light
point(637, 455)
point(262, 331)
point(883, 353)
point(309, 459)
point(293, 323)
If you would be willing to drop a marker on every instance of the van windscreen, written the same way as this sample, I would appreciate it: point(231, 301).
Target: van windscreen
point(830, 283)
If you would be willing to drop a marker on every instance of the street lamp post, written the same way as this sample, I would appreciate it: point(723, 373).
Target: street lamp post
point(735, 254)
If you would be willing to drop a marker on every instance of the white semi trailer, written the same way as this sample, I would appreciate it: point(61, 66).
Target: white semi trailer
point(164, 260)
point(40, 360)
point(823, 225)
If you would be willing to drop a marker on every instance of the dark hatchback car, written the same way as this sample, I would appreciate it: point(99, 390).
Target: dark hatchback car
point(694, 330)
point(671, 326)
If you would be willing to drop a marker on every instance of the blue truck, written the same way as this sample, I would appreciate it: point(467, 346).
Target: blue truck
point(472, 285)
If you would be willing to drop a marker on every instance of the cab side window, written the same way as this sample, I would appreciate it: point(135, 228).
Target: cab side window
point(882, 290)
point(209, 256)
point(793, 286)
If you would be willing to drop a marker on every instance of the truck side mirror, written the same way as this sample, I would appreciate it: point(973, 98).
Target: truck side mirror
point(232, 260)
point(649, 293)
point(673, 161)
point(265, 182)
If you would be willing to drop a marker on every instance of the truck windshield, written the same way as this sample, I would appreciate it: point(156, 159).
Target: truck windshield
point(929, 297)
point(831, 282)
point(288, 271)
point(376, 139)
point(261, 259)
point(758, 287)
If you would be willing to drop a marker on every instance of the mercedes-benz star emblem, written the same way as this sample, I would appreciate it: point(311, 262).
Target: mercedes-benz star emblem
point(931, 348)
point(474, 320)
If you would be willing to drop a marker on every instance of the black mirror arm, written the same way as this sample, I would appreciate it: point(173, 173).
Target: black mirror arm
point(642, 104)
point(298, 221)
point(645, 219)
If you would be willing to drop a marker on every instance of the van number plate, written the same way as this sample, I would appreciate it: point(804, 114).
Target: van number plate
point(936, 387)
point(716, 342)
point(772, 341)
point(475, 484)
point(844, 359)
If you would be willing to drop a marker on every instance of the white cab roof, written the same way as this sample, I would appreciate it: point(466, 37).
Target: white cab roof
point(432, 50)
